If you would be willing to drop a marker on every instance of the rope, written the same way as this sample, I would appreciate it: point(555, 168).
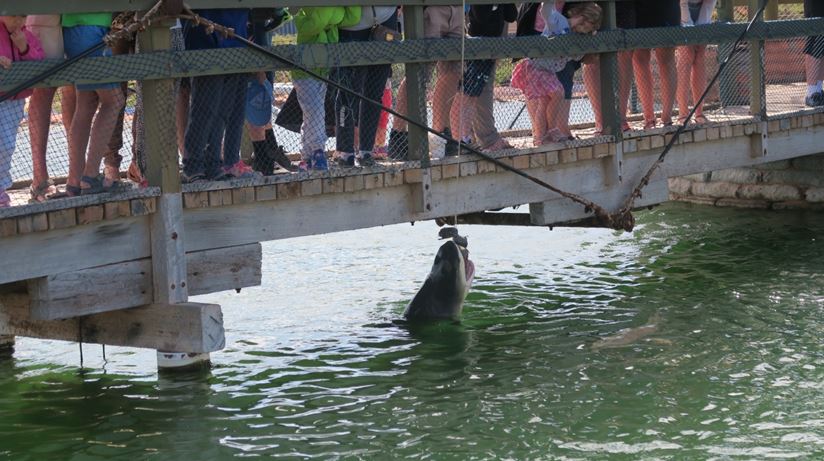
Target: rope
point(463, 76)
point(681, 128)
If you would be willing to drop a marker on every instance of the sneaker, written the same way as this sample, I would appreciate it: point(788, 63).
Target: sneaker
point(366, 160)
point(345, 160)
point(192, 178)
point(815, 99)
point(241, 170)
point(283, 160)
point(5, 200)
point(305, 165)
point(398, 145)
point(451, 149)
point(380, 153)
point(319, 162)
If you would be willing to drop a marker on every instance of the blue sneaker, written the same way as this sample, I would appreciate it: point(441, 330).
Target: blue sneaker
point(319, 161)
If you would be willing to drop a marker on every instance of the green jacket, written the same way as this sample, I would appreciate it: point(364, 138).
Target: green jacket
point(319, 24)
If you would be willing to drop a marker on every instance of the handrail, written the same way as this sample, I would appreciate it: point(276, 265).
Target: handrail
point(173, 64)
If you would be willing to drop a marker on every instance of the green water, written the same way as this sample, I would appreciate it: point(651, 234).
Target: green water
point(317, 368)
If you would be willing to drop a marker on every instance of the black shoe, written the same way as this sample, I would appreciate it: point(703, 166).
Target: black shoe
point(451, 149)
point(366, 160)
point(261, 159)
point(278, 153)
point(815, 99)
point(346, 162)
point(398, 145)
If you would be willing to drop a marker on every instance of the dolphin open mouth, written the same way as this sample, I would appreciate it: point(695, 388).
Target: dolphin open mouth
point(468, 264)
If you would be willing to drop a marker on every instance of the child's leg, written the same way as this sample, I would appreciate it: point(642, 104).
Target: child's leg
point(39, 123)
point(643, 77)
point(11, 112)
point(460, 117)
point(79, 135)
point(448, 76)
point(111, 102)
point(699, 77)
point(685, 65)
point(669, 81)
point(234, 90)
point(311, 95)
point(537, 115)
point(558, 115)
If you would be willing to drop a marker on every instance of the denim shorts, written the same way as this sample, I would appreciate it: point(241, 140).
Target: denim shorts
point(78, 39)
point(566, 76)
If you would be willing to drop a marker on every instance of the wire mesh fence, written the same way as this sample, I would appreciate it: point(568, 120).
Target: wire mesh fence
point(248, 125)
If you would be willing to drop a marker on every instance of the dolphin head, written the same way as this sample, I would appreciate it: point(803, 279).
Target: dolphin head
point(443, 292)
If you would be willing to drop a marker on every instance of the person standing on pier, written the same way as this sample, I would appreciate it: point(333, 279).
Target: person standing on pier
point(48, 30)
point(814, 57)
point(98, 105)
point(691, 67)
point(215, 113)
point(16, 44)
point(649, 14)
point(317, 25)
point(484, 21)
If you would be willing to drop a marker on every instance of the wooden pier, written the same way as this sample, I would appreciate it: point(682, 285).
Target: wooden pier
point(119, 268)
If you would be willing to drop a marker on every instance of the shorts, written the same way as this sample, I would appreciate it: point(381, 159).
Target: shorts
point(77, 39)
point(476, 76)
point(535, 82)
point(625, 15)
point(815, 44)
point(567, 75)
point(657, 13)
point(443, 22)
point(51, 39)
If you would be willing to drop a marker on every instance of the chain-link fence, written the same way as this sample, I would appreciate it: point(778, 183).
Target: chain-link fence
point(92, 138)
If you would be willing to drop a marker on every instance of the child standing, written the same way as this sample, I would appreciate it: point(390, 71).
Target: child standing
point(317, 25)
point(537, 77)
point(691, 68)
point(484, 21)
point(16, 44)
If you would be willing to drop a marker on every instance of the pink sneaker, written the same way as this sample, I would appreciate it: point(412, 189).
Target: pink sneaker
point(241, 170)
point(5, 200)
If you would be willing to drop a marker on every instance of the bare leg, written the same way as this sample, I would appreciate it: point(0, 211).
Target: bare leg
point(592, 83)
point(79, 135)
point(643, 77)
point(399, 124)
point(111, 102)
point(624, 85)
point(814, 68)
point(68, 104)
point(445, 88)
point(686, 58)
point(557, 113)
point(669, 81)
point(39, 124)
point(460, 117)
point(537, 115)
point(699, 78)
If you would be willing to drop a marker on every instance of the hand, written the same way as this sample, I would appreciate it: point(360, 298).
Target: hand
point(5, 62)
point(19, 40)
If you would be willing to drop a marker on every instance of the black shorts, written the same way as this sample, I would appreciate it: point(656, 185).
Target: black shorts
point(657, 13)
point(625, 14)
point(476, 76)
point(566, 76)
point(815, 45)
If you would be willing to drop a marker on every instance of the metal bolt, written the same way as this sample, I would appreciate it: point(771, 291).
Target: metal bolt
point(174, 235)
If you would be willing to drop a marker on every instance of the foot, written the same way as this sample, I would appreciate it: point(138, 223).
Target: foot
point(319, 162)
point(380, 153)
point(451, 149)
point(366, 160)
point(191, 178)
point(282, 159)
point(649, 124)
point(111, 175)
point(345, 160)
point(305, 165)
point(700, 119)
point(500, 144)
point(40, 192)
point(240, 170)
point(815, 99)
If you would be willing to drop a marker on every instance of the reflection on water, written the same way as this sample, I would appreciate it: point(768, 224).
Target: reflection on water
point(318, 365)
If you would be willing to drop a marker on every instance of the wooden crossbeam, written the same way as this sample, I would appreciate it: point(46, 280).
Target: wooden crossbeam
point(191, 327)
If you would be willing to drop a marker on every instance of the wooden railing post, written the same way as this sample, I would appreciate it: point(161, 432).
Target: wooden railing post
point(609, 79)
point(168, 254)
point(758, 87)
point(416, 109)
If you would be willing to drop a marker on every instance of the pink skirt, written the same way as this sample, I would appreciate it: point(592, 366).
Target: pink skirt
point(535, 82)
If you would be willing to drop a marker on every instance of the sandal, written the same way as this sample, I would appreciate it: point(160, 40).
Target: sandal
point(42, 192)
point(95, 185)
point(71, 191)
point(700, 119)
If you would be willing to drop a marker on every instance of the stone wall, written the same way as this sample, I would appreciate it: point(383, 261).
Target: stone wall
point(786, 184)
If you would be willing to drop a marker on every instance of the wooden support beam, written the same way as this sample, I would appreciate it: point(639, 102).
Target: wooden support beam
point(6, 345)
point(168, 253)
point(758, 81)
point(129, 284)
point(609, 80)
point(192, 327)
